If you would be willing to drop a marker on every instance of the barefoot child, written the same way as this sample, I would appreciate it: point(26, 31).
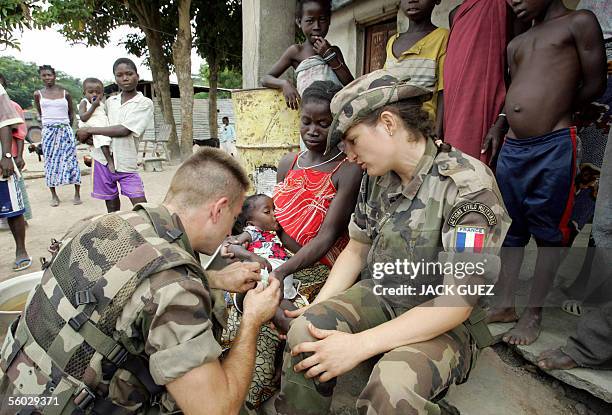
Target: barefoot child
point(313, 60)
point(259, 228)
point(557, 66)
point(129, 115)
point(92, 113)
point(421, 51)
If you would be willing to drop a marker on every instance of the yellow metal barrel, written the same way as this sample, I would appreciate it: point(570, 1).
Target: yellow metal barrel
point(266, 130)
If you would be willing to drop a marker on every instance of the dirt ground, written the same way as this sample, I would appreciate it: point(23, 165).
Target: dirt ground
point(52, 222)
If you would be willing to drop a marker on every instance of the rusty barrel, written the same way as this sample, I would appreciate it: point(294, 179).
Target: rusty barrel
point(266, 130)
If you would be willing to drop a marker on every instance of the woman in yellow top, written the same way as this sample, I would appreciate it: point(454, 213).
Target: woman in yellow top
point(421, 51)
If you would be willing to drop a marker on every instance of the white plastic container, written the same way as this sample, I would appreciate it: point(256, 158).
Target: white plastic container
point(13, 294)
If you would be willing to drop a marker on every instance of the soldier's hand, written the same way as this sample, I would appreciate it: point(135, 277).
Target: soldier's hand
point(298, 312)
point(328, 358)
point(225, 251)
point(238, 277)
point(260, 304)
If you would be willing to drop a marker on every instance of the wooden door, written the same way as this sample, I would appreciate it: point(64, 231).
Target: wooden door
point(377, 36)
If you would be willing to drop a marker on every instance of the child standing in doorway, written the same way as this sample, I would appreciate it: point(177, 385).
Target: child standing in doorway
point(421, 51)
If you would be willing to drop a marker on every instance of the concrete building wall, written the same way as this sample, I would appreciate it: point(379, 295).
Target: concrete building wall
point(268, 29)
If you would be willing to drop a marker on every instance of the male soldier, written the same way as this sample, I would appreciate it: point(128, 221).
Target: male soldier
point(121, 322)
point(421, 203)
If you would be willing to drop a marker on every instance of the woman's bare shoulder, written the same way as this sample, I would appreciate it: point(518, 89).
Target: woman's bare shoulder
point(350, 170)
point(284, 165)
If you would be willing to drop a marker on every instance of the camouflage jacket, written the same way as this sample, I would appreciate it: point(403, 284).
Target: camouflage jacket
point(166, 319)
point(451, 196)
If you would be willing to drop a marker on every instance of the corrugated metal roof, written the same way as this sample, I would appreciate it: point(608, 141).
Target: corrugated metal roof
point(146, 86)
point(201, 130)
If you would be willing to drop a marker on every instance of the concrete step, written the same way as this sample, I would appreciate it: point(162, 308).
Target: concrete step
point(557, 326)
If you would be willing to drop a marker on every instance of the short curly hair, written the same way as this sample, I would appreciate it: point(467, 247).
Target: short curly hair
point(325, 4)
point(246, 213)
point(321, 91)
point(125, 61)
point(46, 68)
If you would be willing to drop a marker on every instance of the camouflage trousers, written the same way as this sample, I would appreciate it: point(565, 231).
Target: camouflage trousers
point(405, 380)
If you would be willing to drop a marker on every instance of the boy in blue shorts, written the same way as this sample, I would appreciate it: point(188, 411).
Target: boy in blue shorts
point(129, 114)
point(557, 66)
point(12, 205)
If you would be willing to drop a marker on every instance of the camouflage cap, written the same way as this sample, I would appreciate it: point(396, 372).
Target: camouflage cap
point(368, 93)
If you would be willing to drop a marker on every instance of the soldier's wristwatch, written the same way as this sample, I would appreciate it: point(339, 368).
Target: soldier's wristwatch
point(8, 155)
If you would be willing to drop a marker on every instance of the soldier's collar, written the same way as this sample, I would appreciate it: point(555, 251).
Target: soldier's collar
point(184, 240)
point(392, 182)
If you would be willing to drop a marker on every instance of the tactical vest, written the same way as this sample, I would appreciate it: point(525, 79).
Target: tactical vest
point(66, 334)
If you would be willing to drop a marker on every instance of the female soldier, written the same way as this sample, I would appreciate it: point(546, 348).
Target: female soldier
point(419, 194)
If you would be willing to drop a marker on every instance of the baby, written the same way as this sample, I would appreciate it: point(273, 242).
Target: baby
point(92, 113)
point(258, 242)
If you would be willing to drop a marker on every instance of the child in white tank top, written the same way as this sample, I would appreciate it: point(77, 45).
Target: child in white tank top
point(92, 113)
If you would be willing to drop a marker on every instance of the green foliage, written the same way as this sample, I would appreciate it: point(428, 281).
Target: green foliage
point(15, 15)
point(136, 43)
point(91, 21)
point(22, 80)
point(228, 78)
point(88, 21)
point(218, 35)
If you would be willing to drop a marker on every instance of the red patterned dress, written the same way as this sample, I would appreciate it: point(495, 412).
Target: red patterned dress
point(266, 244)
point(300, 205)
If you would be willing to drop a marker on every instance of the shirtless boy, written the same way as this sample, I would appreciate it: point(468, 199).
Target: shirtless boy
point(556, 67)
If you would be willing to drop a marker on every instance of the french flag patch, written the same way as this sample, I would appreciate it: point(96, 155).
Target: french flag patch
point(469, 237)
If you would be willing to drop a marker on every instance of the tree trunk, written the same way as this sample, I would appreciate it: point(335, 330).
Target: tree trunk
point(181, 52)
point(147, 14)
point(213, 82)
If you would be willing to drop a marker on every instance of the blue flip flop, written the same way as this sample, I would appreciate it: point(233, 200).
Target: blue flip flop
point(22, 264)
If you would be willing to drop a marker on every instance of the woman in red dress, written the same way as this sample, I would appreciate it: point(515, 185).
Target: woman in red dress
point(315, 195)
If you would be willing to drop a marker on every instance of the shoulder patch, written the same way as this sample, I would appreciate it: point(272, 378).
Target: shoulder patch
point(469, 238)
point(476, 207)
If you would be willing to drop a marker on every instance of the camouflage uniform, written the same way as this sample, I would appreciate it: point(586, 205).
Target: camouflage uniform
point(450, 192)
point(160, 314)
